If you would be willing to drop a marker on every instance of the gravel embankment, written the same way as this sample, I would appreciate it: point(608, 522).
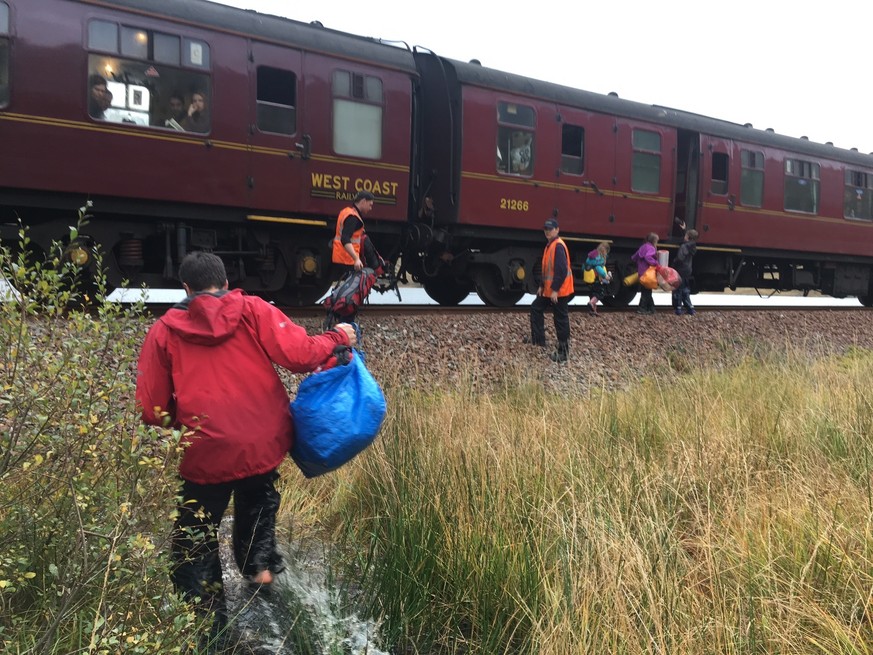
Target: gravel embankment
point(611, 350)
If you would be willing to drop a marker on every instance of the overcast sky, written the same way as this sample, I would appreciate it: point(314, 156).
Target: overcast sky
point(802, 68)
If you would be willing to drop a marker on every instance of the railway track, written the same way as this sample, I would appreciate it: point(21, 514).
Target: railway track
point(465, 310)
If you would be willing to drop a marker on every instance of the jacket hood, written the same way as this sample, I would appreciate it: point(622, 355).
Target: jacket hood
point(206, 318)
point(593, 254)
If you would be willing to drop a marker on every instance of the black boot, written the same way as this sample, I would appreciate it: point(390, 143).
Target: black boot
point(562, 354)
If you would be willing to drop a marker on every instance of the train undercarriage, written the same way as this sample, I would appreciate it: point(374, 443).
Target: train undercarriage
point(291, 264)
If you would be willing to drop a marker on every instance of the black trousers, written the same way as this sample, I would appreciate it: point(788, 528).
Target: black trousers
point(196, 565)
point(647, 303)
point(561, 315)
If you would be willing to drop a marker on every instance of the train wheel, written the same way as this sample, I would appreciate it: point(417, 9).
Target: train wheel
point(446, 290)
point(621, 297)
point(300, 295)
point(491, 290)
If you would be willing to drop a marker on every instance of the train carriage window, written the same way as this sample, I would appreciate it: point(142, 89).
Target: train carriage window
point(167, 49)
point(719, 184)
point(277, 91)
point(572, 149)
point(858, 195)
point(103, 35)
point(134, 43)
point(515, 146)
point(752, 178)
point(4, 54)
point(196, 54)
point(142, 77)
point(357, 115)
point(646, 167)
point(802, 186)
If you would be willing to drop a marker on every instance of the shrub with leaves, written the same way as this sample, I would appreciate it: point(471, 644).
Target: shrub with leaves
point(86, 490)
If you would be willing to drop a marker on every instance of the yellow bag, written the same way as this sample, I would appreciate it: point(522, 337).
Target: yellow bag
point(631, 280)
point(588, 276)
point(649, 279)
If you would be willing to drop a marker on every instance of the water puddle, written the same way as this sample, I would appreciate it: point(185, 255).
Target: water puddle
point(301, 613)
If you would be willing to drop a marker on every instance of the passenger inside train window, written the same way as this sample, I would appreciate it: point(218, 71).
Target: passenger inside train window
point(520, 155)
point(106, 102)
point(519, 146)
point(197, 119)
point(97, 93)
point(176, 112)
point(149, 77)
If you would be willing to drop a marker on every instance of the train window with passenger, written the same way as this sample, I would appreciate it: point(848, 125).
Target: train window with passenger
point(357, 114)
point(646, 170)
point(148, 78)
point(4, 54)
point(719, 185)
point(277, 93)
point(752, 178)
point(515, 145)
point(858, 195)
point(572, 149)
point(802, 186)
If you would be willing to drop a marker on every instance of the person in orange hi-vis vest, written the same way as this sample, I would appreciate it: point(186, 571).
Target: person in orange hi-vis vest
point(555, 291)
point(350, 237)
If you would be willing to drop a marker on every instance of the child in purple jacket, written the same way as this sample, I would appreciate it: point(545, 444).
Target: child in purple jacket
point(645, 256)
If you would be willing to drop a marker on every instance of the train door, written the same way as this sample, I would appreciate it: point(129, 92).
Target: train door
point(277, 142)
point(687, 182)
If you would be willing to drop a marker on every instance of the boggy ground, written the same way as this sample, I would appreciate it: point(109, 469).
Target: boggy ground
point(612, 350)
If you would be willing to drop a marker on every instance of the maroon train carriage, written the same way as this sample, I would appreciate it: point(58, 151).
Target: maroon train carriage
point(297, 119)
point(773, 212)
point(466, 162)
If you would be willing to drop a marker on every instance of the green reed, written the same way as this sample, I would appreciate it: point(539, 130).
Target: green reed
point(713, 512)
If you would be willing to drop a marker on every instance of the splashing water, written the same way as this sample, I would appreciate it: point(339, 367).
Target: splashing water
point(299, 614)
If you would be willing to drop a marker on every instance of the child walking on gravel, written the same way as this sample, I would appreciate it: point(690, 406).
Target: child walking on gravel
point(597, 262)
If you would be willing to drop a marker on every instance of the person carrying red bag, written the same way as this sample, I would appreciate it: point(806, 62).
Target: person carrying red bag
point(645, 257)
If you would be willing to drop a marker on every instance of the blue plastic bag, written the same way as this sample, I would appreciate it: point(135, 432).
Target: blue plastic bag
point(337, 413)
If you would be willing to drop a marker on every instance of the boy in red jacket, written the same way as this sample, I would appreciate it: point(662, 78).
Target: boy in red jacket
point(206, 367)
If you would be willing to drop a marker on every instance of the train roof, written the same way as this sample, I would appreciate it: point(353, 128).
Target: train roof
point(478, 75)
point(308, 36)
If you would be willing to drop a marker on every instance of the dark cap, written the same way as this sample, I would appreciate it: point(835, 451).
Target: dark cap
point(364, 195)
point(550, 224)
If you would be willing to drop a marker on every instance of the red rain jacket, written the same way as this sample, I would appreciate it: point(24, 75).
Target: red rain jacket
point(209, 364)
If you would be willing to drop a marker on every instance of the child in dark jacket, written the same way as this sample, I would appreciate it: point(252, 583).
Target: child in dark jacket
point(597, 262)
point(682, 265)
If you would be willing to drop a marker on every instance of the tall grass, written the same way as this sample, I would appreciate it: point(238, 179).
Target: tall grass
point(718, 512)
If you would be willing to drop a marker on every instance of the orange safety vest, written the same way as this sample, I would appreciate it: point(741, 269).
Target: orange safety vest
point(340, 254)
point(549, 270)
